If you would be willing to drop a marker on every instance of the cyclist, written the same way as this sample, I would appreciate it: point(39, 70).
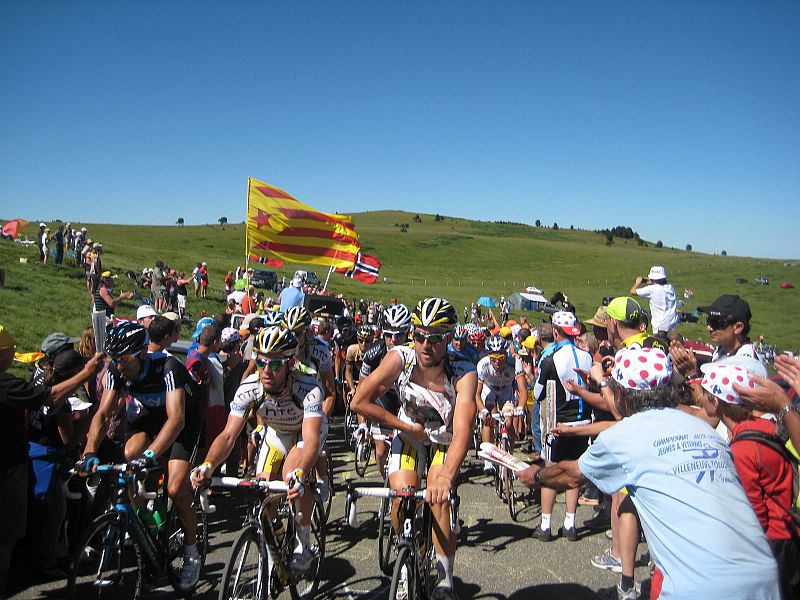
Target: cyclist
point(460, 348)
point(290, 403)
point(342, 340)
point(164, 421)
point(395, 322)
point(498, 381)
point(435, 419)
point(355, 355)
point(313, 358)
point(478, 339)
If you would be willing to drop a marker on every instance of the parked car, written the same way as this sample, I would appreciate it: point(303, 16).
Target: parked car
point(762, 281)
point(264, 279)
point(741, 280)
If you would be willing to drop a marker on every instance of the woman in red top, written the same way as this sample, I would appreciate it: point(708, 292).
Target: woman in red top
point(203, 280)
point(766, 475)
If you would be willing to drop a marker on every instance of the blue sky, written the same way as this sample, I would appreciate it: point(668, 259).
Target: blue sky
point(679, 119)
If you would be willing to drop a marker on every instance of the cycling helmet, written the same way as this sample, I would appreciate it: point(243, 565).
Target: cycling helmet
point(344, 323)
point(276, 340)
point(434, 312)
point(496, 344)
point(460, 332)
point(296, 319)
point(396, 319)
point(126, 338)
point(365, 332)
point(273, 318)
point(476, 337)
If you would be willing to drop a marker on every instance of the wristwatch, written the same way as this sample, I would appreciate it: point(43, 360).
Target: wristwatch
point(603, 384)
point(537, 477)
point(786, 409)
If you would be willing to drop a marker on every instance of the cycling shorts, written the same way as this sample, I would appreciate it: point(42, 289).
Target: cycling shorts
point(276, 447)
point(411, 455)
point(187, 440)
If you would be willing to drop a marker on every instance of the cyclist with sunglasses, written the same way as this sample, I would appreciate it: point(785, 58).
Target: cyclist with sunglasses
point(353, 360)
point(499, 379)
point(396, 323)
point(460, 348)
point(434, 424)
point(164, 422)
point(290, 403)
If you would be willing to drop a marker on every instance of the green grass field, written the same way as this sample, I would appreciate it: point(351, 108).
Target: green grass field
point(455, 258)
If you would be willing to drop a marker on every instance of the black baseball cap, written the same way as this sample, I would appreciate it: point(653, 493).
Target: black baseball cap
point(728, 305)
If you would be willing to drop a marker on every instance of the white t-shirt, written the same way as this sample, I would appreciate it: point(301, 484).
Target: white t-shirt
point(699, 524)
point(663, 306)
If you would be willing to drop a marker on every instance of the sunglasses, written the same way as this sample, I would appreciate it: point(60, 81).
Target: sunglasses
point(431, 338)
point(498, 356)
point(719, 322)
point(124, 359)
point(275, 364)
point(398, 335)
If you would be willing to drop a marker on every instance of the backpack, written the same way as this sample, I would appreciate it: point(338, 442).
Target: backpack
point(789, 454)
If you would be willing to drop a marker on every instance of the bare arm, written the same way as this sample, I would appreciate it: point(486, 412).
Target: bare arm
point(636, 284)
point(560, 476)
point(522, 390)
point(595, 428)
point(62, 391)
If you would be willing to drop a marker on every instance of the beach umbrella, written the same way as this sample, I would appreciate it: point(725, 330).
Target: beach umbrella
point(12, 228)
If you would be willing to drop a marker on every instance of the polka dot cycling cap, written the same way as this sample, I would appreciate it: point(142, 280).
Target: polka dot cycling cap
point(229, 334)
point(719, 379)
point(642, 368)
point(567, 322)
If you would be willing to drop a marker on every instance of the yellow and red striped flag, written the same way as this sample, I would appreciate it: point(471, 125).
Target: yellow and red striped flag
point(280, 226)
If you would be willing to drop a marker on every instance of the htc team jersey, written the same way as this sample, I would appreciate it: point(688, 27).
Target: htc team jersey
point(284, 412)
point(434, 410)
point(498, 385)
point(317, 356)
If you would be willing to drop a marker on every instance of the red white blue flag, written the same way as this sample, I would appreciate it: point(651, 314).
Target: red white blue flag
point(365, 269)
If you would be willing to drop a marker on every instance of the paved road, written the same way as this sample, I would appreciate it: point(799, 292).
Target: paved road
point(497, 558)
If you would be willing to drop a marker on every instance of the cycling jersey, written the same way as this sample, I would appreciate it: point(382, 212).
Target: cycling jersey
point(498, 386)
point(316, 357)
point(372, 358)
point(434, 410)
point(283, 411)
point(469, 353)
point(354, 356)
point(560, 366)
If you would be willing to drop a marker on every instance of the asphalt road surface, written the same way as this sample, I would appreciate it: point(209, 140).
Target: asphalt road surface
point(497, 558)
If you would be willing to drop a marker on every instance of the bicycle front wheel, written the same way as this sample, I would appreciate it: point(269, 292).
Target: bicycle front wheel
point(403, 586)
point(105, 564)
point(363, 452)
point(245, 576)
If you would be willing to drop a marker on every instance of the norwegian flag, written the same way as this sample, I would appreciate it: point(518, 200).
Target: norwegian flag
point(271, 262)
point(365, 269)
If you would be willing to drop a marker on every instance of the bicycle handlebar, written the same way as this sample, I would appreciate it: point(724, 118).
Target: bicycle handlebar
point(264, 484)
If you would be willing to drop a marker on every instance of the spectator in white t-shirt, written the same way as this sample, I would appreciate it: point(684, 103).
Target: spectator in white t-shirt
point(663, 300)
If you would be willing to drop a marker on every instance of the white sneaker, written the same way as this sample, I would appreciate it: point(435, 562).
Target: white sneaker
point(488, 468)
point(190, 572)
point(301, 560)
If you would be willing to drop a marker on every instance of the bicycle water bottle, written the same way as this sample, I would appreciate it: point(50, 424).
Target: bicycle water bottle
point(146, 517)
point(160, 512)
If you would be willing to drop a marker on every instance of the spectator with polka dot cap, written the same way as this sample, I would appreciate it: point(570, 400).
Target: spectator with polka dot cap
point(762, 463)
point(702, 532)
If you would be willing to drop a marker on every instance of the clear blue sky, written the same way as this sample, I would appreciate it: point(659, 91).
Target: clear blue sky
point(679, 119)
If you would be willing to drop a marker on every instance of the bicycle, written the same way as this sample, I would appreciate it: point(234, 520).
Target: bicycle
point(362, 451)
point(504, 478)
point(414, 576)
point(387, 538)
point(119, 555)
point(260, 558)
point(350, 423)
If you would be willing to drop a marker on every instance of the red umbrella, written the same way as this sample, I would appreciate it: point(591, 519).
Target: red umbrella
point(12, 228)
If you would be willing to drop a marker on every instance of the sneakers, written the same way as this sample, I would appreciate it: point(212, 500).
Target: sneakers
point(190, 572)
point(600, 522)
point(618, 593)
point(608, 562)
point(571, 534)
point(543, 535)
point(488, 468)
point(324, 489)
point(443, 593)
point(301, 560)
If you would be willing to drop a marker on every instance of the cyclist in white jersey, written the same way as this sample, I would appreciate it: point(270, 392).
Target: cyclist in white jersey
point(290, 403)
point(499, 379)
point(437, 409)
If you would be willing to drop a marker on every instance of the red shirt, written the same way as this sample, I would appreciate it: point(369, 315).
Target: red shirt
point(767, 479)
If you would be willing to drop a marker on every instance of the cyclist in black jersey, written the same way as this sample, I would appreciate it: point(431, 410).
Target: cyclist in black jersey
point(164, 422)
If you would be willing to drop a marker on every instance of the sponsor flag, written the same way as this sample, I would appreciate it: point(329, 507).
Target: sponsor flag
point(270, 262)
point(365, 269)
point(280, 226)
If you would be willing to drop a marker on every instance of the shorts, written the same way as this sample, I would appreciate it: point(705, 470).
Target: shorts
point(277, 445)
point(183, 447)
point(411, 455)
point(13, 502)
point(181, 301)
point(564, 447)
point(491, 399)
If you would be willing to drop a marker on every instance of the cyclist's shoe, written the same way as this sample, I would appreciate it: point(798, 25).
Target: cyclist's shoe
point(488, 468)
point(617, 593)
point(190, 572)
point(402, 585)
point(608, 562)
point(324, 489)
point(543, 535)
point(301, 559)
point(443, 593)
point(570, 533)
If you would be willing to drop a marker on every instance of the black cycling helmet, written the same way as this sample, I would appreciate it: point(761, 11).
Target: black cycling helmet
point(365, 332)
point(434, 312)
point(296, 319)
point(126, 338)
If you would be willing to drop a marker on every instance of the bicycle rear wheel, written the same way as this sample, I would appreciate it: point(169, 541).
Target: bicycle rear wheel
point(245, 576)
point(105, 564)
point(403, 585)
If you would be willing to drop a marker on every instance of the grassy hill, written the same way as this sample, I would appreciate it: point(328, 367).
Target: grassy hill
point(454, 258)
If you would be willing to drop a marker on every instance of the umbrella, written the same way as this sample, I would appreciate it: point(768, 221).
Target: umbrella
point(12, 228)
point(486, 301)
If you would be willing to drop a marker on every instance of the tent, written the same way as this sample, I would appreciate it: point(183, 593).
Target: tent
point(487, 301)
point(12, 228)
point(526, 301)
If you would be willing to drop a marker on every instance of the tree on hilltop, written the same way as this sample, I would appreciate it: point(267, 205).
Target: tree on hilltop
point(659, 244)
point(538, 223)
point(179, 221)
point(688, 247)
point(223, 220)
point(724, 253)
point(555, 225)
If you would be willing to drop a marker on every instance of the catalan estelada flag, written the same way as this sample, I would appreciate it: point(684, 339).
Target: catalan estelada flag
point(280, 226)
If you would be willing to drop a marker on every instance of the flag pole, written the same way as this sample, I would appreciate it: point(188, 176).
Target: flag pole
point(247, 230)
point(330, 269)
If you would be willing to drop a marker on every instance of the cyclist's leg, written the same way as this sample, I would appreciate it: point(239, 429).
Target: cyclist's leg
point(381, 445)
point(444, 540)
point(179, 487)
point(404, 466)
point(306, 502)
